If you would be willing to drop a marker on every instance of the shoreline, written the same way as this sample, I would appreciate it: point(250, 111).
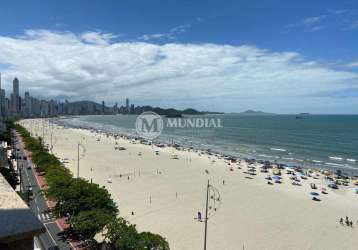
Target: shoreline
point(261, 158)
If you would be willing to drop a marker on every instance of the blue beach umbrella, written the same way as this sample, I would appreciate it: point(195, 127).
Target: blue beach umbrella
point(314, 193)
point(276, 177)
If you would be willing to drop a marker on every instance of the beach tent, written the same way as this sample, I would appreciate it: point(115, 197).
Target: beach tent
point(326, 172)
point(276, 172)
point(277, 178)
point(289, 170)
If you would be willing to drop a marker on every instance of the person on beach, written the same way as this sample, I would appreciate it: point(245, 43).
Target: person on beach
point(341, 221)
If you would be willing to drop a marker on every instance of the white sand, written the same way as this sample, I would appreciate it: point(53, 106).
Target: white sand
point(253, 215)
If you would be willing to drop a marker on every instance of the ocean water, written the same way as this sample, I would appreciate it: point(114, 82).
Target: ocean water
point(330, 141)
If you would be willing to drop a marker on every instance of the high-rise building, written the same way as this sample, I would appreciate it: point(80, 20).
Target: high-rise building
point(127, 105)
point(4, 111)
point(12, 105)
point(7, 107)
point(15, 97)
point(132, 109)
point(44, 108)
point(115, 108)
point(28, 110)
point(35, 107)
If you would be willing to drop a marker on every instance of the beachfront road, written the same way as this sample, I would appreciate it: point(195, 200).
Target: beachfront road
point(52, 236)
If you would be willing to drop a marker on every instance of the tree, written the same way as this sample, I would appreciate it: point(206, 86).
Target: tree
point(115, 229)
point(124, 236)
point(82, 195)
point(58, 182)
point(89, 223)
point(150, 241)
point(128, 240)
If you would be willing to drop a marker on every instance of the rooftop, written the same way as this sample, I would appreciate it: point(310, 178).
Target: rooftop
point(17, 221)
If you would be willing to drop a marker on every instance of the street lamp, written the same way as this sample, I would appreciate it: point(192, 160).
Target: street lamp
point(213, 203)
point(80, 156)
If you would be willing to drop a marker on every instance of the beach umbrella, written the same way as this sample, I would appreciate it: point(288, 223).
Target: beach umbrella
point(276, 177)
point(314, 193)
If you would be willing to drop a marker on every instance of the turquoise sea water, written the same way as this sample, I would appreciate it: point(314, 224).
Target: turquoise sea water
point(321, 140)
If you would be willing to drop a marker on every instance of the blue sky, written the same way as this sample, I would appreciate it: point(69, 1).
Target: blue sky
point(317, 39)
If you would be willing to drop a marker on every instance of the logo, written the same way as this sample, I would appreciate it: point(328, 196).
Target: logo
point(149, 125)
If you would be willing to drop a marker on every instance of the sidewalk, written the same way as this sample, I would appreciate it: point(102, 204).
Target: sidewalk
point(42, 183)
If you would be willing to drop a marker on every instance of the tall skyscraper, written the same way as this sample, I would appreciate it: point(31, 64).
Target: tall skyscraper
point(15, 97)
point(127, 105)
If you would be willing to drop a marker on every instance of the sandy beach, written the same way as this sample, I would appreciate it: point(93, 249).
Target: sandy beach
point(166, 194)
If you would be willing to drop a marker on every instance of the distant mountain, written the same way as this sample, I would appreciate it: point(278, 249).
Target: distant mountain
point(171, 112)
point(253, 113)
point(191, 112)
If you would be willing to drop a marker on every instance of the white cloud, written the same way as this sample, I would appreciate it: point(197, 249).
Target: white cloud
point(341, 19)
point(207, 76)
point(353, 64)
point(171, 34)
point(308, 23)
point(313, 20)
point(156, 36)
point(97, 38)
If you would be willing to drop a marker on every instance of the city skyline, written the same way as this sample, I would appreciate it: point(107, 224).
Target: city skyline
point(13, 105)
point(302, 61)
